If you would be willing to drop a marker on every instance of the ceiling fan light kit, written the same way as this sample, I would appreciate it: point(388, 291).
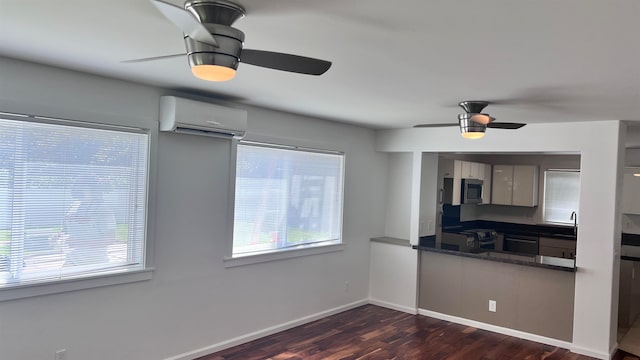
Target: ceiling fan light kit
point(469, 128)
point(215, 49)
point(473, 123)
point(213, 63)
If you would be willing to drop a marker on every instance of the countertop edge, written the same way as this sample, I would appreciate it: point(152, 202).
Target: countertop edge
point(496, 259)
point(391, 241)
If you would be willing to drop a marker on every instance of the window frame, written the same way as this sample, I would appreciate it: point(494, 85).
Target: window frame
point(544, 197)
point(107, 277)
point(283, 253)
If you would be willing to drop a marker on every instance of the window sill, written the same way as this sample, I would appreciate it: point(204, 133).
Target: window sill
point(280, 255)
point(73, 284)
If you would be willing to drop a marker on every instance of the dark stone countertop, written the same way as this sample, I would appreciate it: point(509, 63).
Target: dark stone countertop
point(544, 262)
point(544, 230)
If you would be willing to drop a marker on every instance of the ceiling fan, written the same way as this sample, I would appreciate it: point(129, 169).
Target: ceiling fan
point(214, 48)
point(474, 122)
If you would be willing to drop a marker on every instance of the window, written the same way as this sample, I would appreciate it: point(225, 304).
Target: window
point(286, 198)
point(72, 201)
point(561, 195)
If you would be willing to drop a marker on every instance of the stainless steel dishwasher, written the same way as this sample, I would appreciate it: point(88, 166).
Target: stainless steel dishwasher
point(521, 244)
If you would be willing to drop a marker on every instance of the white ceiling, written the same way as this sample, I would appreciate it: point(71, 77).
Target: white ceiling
point(395, 63)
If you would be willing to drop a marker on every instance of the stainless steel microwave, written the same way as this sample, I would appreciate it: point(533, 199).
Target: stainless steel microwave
point(471, 191)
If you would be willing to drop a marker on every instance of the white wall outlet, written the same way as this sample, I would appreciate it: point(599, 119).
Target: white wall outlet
point(492, 305)
point(346, 286)
point(61, 354)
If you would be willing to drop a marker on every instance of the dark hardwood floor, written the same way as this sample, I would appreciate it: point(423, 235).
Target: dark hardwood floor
point(372, 332)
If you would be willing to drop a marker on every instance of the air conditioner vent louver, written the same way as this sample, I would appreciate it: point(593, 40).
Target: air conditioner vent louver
point(198, 118)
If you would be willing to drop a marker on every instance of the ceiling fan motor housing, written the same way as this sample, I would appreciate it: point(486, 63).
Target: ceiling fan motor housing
point(473, 107)
point(215, 11)
point(227, 53)
point(469, 126)
point(217, 16)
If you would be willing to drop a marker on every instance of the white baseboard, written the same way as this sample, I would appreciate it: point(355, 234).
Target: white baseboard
point(595, 354)
point(265, 332)
point(393, 306)
point(612, 353)
point(497, 329)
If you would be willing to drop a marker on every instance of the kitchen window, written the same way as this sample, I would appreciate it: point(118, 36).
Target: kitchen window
point(561, 196)
point(72, 202)
point(286, 198)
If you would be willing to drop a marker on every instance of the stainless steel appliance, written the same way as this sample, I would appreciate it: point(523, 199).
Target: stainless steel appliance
point(471, 191)
point(521, 244)
point(472, 240)
point(484, 239)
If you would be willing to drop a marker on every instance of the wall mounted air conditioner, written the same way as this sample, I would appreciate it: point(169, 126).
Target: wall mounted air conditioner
point(193, 117)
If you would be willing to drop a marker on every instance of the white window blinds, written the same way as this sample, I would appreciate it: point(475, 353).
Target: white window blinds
point(561, 195)
point(72, 201)
point(286, 198)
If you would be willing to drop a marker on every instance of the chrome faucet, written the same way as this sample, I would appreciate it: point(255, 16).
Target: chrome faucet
point(574, 217)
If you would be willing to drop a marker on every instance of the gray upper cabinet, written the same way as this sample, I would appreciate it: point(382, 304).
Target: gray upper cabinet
point(631, 191)
point(486, 185)
point(515, 185)
point(502, 188)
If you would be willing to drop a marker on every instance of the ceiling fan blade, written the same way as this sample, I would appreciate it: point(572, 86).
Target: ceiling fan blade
point(133, 61)
point(185, 21)
point(435, 125)
point(285, 62)
point(505, 125)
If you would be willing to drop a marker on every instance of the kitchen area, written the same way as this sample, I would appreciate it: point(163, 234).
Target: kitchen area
point(490, 259)
point(493, 205)
point(520, 210)
point(629, 293)
point(567, 294)
point(493, 258)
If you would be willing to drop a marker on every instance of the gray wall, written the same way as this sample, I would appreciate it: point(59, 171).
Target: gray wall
point(193, 301)
point(533, 300)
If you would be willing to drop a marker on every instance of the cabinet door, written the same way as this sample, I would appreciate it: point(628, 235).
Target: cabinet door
point(558, 247)
point(446, 168)
point(554, 251)
point(457, 181)
point(525, 185)
point(470, 170)
point(631, 191)
point(474, 170)
point(502, 188)
point(486, 184)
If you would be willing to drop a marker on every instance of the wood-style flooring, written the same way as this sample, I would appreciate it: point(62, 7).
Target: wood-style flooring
point(372, 332)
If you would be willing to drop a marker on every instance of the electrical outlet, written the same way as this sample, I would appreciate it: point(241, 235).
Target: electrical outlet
point(492, 305)
point(346, 286)
point(61, 354)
